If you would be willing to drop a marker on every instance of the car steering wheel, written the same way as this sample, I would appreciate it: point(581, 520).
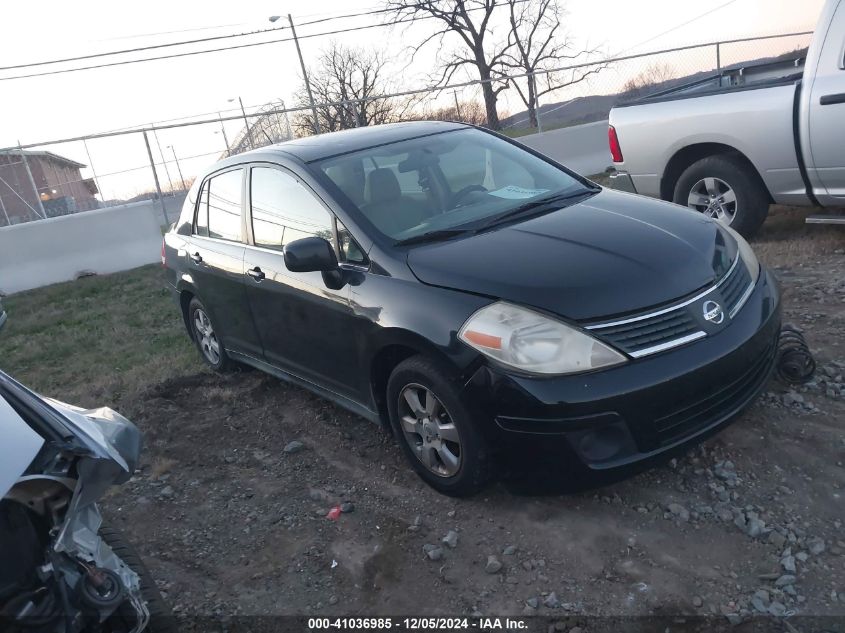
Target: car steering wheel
point(459, 195)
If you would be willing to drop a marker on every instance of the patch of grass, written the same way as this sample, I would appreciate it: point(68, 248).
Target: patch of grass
point(97, 340)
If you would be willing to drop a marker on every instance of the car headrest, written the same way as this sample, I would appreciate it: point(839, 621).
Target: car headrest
point(382, 186)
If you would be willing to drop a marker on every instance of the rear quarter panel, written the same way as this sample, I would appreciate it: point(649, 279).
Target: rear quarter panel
point(757, 123)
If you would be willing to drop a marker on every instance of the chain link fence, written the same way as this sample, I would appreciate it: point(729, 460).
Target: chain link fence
point(156, 164)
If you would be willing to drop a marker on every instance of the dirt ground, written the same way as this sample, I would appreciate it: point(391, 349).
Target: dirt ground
point(749, 522)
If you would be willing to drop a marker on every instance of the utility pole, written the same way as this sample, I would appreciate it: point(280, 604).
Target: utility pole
point(181, 177)
point(94, 171)
point(246, 123)
point(3, 208)
point(163, 161)
point(304, 74)
point(287, 120)
point(457, 107)
point(155, 177)
point(225, 138)
point(32, 181)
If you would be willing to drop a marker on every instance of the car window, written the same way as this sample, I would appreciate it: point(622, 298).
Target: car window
point(454, 179)
point(284, 209)
point(224, 205)
point(349, 249)
point(201, 219)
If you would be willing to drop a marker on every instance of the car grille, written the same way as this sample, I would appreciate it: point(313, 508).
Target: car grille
point(641, 335)
point(734, 287)
point(635, 337)
point(716, 405)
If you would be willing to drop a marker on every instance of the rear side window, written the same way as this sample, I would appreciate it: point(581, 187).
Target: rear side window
point(283, 209)
point(223, 193)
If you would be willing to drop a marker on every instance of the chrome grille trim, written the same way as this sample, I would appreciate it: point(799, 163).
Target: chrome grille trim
point(677, 306)
point(669, 344)
point(742, 299)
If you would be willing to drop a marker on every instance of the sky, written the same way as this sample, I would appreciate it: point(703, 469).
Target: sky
point(65, 105)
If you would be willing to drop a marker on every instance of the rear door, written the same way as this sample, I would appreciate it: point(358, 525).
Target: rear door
point(304, 325)
point(827, 109)
point(216, 260)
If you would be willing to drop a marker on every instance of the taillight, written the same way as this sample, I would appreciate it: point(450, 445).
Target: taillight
point(163, 253)
point(613, 141)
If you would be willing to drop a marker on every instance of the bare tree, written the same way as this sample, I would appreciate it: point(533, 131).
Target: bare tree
point(468, 21)
point(537, 45)
point(347, 85)
point(654, 75)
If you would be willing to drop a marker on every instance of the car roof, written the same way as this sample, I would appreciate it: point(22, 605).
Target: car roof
point(318, 147)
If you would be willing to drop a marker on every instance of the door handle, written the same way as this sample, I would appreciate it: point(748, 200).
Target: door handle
point(196, 257)
point(256, 273)
point(832, 99)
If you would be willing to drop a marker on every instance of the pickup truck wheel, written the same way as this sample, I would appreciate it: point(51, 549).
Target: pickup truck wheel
point(436, 429)
point(724, 188)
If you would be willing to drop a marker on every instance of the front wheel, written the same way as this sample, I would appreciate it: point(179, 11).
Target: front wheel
point(436, 429)
point(161, 618)
point(727, 189)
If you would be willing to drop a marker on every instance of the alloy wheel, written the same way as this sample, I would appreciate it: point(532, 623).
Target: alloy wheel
point(714, 198)
point(429, 430)
point(209, 344)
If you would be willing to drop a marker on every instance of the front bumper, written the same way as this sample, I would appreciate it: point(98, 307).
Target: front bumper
point(632, 412)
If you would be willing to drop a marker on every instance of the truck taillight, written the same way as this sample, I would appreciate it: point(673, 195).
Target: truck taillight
point(163, 253)
point(613, 141)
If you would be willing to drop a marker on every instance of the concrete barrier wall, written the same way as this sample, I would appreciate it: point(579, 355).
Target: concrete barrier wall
point(582, 148)
point(59, 249)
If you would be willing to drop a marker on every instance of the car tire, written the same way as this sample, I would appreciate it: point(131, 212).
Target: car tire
point(441, 432)
point(723, 174)
point(162, 619)
point(205, 337)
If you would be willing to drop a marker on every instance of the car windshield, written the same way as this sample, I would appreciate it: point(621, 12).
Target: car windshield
point(445, 182)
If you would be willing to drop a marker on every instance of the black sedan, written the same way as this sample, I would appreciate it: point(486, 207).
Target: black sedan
point(473, 295)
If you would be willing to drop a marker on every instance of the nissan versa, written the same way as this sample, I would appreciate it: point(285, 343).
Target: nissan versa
point(474, 295)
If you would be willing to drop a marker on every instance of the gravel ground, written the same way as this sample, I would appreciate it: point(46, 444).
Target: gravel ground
point(239, 473)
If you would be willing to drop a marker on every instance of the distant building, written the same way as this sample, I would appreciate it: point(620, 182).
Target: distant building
point(61, 187)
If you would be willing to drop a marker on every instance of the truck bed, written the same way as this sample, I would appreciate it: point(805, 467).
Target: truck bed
point(733, 78)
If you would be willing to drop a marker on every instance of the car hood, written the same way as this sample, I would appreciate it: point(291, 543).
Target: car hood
point(612, 254)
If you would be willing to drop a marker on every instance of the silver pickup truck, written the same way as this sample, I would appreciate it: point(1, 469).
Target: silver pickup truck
point(734, 143)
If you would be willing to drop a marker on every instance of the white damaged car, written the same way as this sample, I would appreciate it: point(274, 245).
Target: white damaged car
point(62, 570)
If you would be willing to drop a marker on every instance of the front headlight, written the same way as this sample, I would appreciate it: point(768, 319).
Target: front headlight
point(535, 343)
point(747, 254)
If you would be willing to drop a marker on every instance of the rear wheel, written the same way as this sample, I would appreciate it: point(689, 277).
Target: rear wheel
point(436, 429)
point(724, 188)
point(161, 618)
point(206, 337)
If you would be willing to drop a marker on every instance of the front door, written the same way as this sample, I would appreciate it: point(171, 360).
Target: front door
point(827, 110)
point(303, 324)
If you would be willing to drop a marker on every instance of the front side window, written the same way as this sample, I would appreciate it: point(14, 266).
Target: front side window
point(201, 220)
point(455, 179)
point(349, 250)
point(284, 209)
point(224, 205)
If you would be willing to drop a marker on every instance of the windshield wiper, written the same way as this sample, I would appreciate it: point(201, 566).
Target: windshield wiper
point(532, 206)
point(431, 236)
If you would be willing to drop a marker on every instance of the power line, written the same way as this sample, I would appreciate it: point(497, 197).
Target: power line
point(676, 27)
point(186, 42)
point(208, 39)
point(187, 54)
point(139, 49)
point(157, 33)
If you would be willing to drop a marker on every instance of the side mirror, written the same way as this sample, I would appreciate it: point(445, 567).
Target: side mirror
point(310, 254)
